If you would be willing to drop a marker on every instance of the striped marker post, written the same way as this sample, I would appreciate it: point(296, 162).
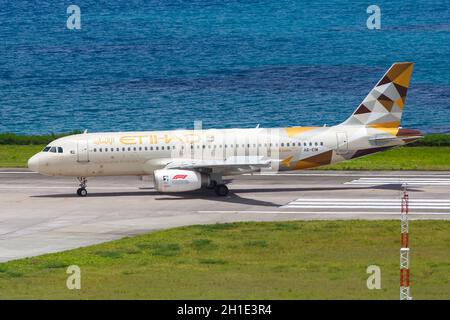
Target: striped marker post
point(404, 250)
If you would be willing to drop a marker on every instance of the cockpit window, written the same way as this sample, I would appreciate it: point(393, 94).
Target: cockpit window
point(53, 149)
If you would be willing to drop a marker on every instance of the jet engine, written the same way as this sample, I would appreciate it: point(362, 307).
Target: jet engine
point(172, 180)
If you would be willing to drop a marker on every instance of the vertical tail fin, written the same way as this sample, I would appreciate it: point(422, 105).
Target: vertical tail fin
point(384, 104)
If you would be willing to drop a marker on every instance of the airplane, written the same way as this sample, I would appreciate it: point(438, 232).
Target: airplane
point(187, 160)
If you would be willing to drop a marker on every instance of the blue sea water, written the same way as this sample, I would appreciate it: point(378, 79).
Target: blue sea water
point(145, 65)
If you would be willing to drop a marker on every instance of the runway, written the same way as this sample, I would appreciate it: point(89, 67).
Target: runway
point(41, 214)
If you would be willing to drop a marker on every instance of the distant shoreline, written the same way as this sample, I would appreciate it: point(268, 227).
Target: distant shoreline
point(429, 140)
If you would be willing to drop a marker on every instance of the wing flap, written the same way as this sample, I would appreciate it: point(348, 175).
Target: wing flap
point(235, 162)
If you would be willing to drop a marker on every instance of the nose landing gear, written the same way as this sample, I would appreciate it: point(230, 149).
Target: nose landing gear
point(82, 192)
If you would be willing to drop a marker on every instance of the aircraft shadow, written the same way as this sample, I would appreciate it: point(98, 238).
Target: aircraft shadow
point(233, 197)
point(204, 195)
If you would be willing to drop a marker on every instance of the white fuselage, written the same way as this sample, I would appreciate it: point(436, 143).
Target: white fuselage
point(140, 153)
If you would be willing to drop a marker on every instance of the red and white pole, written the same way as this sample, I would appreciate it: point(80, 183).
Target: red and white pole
point(404, 250)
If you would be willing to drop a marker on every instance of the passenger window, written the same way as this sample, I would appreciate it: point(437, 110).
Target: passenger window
point(310, 144)
point(287, 144)
point(123, 148)
point(95, 149)
point(168, 147)
point(156, 148)
point(162, 148)
point(140, 148)
point(321, 143)
point(129, 148)
point(151, 148)
point(282, 144)
point(100, 150)
point(316, 144)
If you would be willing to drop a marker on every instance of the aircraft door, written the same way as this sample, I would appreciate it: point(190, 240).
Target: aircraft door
point(342, 142)
point(82, 151)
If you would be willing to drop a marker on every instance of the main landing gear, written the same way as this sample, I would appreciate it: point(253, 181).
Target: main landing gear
point(216, 183)
point(221, 190)
point(82, 192)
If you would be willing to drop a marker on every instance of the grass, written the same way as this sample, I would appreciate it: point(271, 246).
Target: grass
point(14, 139)
point(430, 153)
point(405, 158)
point(16, 156)
point(270, 260)
point(433, 140)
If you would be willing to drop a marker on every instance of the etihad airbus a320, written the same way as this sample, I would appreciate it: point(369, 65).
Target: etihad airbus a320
point(186, 160)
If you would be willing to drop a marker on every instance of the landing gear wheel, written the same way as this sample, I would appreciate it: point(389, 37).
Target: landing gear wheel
point(221, 190)
point(82, 192)
point(212, 185)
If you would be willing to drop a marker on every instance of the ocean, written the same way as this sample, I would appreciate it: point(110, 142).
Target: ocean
point(149, 65)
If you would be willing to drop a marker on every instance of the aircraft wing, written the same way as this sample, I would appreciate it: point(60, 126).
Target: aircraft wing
point(232, 163)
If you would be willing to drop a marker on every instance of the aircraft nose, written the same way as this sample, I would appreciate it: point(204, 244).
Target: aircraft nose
point(33, 163)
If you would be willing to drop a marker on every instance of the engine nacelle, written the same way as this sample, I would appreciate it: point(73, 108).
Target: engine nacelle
point(172, 180)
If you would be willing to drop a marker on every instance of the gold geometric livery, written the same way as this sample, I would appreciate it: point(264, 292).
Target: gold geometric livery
point(383, 106)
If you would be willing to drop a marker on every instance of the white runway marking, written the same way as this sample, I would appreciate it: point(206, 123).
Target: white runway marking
point(319, 212)
point(16, 172)
point(377, 204)
point(3, 187)
point(357, 174)
point(410, 181)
